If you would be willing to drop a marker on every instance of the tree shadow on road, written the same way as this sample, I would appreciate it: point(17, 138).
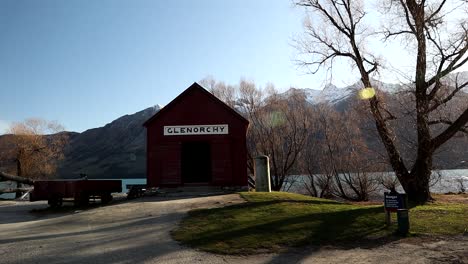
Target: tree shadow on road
point(132, 241)
point(18, 212)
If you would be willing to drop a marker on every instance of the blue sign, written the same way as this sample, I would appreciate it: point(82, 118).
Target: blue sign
point(394, 201)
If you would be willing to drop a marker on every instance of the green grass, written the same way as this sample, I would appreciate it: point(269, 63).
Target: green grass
point(273, 221)
point(439, 219)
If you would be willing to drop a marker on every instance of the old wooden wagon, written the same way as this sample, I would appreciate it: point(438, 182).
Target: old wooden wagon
point(81, 190)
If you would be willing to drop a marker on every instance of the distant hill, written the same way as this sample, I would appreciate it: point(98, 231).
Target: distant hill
point(452, 155)
point(118, 149)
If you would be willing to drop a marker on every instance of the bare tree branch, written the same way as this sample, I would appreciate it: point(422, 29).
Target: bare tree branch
point(423, 23)
point(453, 128)
point(448, 122)
point(440, 102)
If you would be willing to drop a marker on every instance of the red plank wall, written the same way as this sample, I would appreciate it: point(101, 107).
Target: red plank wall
point(196, 106)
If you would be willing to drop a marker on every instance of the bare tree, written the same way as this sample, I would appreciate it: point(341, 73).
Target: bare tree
point(224, 92)
point(278, 127)
point(461, 185)
point(343, 34)
point(316, 183)
point(35, 146)
point(278, 123)
point(343, 157)
point(389, 182)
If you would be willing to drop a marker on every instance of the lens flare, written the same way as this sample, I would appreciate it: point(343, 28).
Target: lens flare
point(367, 93)
point(277, 118)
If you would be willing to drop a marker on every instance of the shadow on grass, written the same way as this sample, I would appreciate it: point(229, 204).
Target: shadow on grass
point(252, 205)
point(336, 225)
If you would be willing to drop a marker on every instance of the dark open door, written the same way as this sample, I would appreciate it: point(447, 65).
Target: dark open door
point(196, 162)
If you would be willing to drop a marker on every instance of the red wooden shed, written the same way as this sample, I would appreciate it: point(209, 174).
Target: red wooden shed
point(196, 140)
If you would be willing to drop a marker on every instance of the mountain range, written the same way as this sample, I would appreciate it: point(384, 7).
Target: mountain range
point(118, 150)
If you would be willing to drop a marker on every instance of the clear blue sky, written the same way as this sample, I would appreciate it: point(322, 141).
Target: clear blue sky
point(85, 63)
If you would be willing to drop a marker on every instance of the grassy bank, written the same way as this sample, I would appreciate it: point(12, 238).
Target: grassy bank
point(271, 221)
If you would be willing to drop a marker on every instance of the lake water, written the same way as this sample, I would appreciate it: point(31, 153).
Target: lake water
point(7, 185)
point(448, 183)
point(131, 181)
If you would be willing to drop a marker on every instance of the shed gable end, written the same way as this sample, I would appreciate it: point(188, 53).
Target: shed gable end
point(192, 97)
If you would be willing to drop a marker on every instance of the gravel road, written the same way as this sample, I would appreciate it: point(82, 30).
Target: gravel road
point(138, 231)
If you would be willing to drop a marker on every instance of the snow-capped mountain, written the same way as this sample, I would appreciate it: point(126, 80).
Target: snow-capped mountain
point(117, 150)
point(333, 94)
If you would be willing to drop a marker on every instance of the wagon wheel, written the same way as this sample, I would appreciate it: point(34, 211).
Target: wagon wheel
point(55, 201)
point(131, 194)
point(82, 199)
point(106, 198)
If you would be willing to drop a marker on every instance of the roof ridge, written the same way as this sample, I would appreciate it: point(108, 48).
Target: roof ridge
point(195, 85)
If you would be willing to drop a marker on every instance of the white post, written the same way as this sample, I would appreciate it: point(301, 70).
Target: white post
point(262, 174)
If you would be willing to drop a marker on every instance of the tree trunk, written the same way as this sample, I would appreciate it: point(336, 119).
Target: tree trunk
point(276, 184)
point(9, 177)
point(18, 193)
point(276, 188)
point(18, 184)
point(417, 185)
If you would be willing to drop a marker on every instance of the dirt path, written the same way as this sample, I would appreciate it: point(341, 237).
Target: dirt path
point(414, 251)
point(139, 232)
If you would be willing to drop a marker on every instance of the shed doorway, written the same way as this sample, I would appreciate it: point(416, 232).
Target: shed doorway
point(196, 162)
